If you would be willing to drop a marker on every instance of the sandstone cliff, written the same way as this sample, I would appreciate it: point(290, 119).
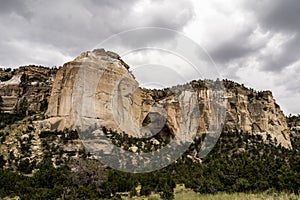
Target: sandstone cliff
point(97, 88)
point(25, 89)
point(255, 112)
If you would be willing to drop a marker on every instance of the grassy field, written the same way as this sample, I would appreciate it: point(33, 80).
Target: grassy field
point(181, 193)
point(235, 196)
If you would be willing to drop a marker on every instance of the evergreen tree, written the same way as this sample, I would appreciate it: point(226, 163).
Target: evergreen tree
point(24, 83)
point(1, 104)
point(22, 106)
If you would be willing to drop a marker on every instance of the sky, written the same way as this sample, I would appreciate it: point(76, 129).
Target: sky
point(254, 42)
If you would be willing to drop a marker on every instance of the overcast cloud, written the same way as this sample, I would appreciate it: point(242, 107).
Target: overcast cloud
point(255, 42)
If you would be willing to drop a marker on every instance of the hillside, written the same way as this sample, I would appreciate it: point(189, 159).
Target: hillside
point(43, 153)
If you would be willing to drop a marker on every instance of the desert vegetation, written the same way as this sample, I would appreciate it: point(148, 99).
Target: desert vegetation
point(241, 164)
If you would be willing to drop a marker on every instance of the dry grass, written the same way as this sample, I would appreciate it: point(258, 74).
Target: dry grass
point(181, 193)
point(190, 195)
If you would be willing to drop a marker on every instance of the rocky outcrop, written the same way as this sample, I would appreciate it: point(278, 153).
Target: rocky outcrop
point(255, 112)
point(90, 65)
point(27, 89)
point(97, 88)
point(294, 125)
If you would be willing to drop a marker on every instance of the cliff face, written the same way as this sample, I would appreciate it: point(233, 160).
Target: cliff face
point(97, 88)
point(255, 112)
point(25, 89)
point(82, 74)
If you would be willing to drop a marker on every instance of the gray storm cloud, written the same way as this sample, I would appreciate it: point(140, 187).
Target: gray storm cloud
point(71, 27)
point(250, 41)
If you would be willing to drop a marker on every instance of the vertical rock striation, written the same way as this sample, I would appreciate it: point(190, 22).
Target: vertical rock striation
point(98, 87)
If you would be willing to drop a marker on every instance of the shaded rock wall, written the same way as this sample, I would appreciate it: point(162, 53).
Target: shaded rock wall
point(31, 84)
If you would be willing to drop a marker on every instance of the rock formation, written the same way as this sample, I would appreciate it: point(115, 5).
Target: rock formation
point(255, 112)
point(28, 87)
point(97, 88)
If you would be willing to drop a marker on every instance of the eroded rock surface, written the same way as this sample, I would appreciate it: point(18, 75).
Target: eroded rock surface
point(97, 88)
point(25, 89)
